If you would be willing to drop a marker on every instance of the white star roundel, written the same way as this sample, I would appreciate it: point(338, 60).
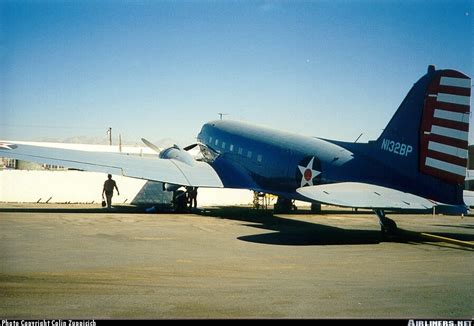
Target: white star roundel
point(308, 174)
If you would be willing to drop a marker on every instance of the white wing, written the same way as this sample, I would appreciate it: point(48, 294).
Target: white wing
point(172, 171)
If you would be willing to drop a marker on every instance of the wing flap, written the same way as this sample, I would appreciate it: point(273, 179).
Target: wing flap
point(151, 168)
point(363, 195)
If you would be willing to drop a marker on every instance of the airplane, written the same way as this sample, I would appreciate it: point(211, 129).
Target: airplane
point(418, 162)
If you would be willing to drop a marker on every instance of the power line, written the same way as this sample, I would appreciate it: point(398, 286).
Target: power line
point(47, 126)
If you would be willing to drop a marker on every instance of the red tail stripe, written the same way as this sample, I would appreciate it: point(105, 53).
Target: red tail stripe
point(450, 124)
point(462, 144)
point(453, 107)
point(446, 176)
point(442, 106)
point(447, 158)
point(452, 90)
point(452, 73)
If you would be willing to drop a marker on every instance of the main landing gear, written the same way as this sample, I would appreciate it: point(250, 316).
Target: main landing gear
point(284, 205)
point(389, 227)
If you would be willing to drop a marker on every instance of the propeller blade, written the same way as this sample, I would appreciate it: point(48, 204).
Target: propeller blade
point(151, 145)
point(189, 147)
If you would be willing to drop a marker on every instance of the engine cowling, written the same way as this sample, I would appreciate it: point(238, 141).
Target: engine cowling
point(178, 154)
point(171, 187)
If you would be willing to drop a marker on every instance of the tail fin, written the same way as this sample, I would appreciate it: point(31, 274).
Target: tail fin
point(427, 138)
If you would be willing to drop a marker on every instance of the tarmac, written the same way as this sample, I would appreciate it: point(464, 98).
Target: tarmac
point(84, 262)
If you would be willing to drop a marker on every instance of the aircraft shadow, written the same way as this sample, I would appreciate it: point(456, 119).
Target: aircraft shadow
point(293, 232)
point(316, 235)
point(302, 233)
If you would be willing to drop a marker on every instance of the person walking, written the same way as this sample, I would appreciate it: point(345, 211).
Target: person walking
point(108, 190)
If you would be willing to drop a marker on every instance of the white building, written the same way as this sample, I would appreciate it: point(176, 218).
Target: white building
point(30, 183)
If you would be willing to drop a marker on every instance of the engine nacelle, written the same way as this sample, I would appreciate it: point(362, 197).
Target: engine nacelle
point(171, 187)
point(177, 154)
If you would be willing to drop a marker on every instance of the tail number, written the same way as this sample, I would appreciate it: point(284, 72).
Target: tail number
point(396, 147)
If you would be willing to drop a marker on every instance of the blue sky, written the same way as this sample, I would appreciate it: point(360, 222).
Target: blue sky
point(160, 69)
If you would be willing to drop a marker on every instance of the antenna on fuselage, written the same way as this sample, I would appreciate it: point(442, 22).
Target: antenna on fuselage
point(222, 114)
point(355, 141)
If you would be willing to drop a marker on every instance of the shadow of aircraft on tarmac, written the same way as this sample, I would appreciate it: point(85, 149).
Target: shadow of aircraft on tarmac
point(292, 232)
point(286, 231)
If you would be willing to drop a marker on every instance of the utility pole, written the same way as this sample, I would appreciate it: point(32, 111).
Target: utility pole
point(109, 132)
point(221, 114)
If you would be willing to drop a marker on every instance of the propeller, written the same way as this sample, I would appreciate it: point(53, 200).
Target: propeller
point(152, 146)
point(158, 150)
point(189, 147)
point(174, 152)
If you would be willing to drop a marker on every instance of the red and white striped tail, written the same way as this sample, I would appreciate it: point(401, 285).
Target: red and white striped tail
point(445, 127)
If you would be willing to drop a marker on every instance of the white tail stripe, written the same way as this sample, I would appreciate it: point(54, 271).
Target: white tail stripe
point(453, 99)
point(446, 149)
point(453, 116)
point(456, 82)
point(445, 166)
point(448, 132)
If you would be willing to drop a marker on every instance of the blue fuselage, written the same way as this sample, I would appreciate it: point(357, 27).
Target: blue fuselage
point(272, 161)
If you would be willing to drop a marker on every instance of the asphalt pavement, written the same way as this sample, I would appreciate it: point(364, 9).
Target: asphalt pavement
point(61, 262)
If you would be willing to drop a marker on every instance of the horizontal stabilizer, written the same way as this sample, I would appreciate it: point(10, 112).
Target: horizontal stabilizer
point(363, 195)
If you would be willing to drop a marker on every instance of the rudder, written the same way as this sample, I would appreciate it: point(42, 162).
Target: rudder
point(445, 127)
point(426, 140)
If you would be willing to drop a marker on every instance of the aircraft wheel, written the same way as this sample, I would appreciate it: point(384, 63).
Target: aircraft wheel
point(389, 227)
point(315, 208)
point(283, 205)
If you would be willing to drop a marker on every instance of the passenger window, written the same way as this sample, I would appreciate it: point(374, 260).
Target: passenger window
point(259, 158)
point(217, 142)
point(249, 154)
point(223, 145)
point(231, 148)
point(240, 150)
point(210, 140)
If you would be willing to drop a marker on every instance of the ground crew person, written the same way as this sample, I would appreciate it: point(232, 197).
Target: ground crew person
point(192, 197)
point(108, 190)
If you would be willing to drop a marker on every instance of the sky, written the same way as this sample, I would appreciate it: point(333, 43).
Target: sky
point(161, 69)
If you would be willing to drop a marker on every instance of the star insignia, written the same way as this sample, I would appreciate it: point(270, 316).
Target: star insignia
point(308, 174)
